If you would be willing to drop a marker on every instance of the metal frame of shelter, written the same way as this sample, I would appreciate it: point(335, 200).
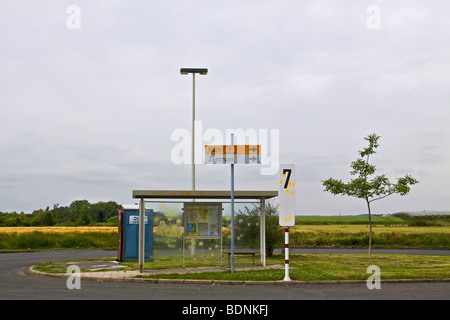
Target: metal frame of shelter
point(203, 195)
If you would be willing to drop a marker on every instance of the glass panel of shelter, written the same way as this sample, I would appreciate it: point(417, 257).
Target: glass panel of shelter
point(171, 245)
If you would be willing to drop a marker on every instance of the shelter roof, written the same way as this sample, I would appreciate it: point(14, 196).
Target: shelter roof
point(203, 194)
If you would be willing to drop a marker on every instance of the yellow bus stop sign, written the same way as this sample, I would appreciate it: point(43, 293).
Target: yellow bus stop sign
point(287, 195)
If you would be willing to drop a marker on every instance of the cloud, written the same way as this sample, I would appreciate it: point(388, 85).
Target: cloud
point(90, 112)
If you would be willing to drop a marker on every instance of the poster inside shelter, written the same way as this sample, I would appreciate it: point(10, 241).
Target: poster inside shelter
point(203, 220)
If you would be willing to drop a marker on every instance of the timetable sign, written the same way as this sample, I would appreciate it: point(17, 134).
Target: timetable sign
point(233, 154)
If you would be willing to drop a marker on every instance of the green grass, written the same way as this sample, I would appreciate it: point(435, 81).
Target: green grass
point(200, 260)
point(348, 220)
point(323, 267)
point(305, 267)
point(54, 240)
point(392, 239)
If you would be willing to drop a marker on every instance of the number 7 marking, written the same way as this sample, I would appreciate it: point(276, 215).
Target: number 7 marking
point(288, 177)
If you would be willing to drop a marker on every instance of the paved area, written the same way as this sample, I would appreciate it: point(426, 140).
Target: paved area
point(16, 285)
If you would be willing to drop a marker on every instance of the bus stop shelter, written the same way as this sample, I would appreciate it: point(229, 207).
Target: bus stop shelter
point(186, 195)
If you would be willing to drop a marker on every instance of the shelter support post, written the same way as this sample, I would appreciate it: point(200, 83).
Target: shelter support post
point(141, 233)
point(262, 231)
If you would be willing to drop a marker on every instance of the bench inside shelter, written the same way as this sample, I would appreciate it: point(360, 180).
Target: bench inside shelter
point(241, 252)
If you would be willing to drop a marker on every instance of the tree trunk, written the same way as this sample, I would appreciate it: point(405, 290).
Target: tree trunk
point(370, 229)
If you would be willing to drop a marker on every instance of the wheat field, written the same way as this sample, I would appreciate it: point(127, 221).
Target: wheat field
point(20, 230)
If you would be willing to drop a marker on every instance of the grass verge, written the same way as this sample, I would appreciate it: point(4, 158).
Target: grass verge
point(325, 267)
point(304, 267)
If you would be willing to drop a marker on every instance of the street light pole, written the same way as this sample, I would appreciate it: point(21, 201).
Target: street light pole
point(185, 71)
point(193, 132)
point(201, 71)
point(232, 207)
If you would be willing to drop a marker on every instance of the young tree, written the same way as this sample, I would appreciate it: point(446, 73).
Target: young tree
point(366, 187)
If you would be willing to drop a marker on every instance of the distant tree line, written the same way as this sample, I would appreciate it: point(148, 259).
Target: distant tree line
point(78, 213)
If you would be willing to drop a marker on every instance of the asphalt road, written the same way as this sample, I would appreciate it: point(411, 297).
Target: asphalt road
point(15, 284)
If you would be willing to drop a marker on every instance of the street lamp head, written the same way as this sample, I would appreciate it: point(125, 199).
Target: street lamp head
point(202, 71)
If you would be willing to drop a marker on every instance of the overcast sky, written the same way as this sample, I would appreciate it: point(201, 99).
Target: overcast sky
point(91, 94)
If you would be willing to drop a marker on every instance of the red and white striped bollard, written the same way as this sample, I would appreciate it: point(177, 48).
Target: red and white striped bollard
point(286, 254)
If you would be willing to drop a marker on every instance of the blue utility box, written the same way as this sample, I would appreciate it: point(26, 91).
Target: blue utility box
point(129, 234)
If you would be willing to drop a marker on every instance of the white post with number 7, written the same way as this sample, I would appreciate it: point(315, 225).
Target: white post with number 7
point(287, 207)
